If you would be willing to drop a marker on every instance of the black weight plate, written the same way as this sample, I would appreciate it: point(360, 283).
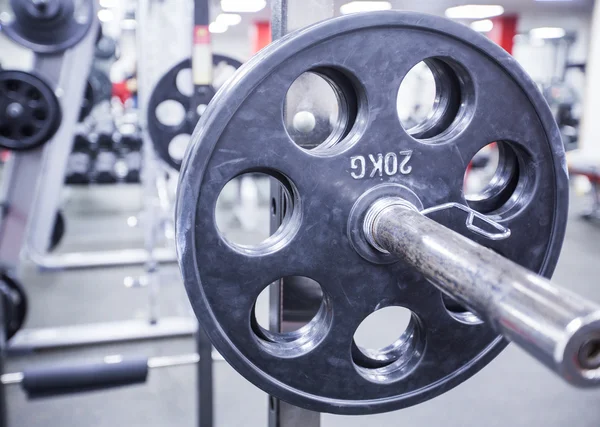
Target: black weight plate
point(29, 111)
point(491, 98)
point(15, 304)
point(58, 231)
point(101, 84)
point(166, 90)
point(52, 27)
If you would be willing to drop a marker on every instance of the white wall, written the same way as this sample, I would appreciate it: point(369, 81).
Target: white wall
point(540, 60)
point(590, 126)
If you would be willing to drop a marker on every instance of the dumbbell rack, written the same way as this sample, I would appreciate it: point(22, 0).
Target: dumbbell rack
point(164, 254)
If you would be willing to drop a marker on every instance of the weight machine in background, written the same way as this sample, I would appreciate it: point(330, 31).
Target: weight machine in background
point(31, 193)
point(25, 190)
point(23, 171)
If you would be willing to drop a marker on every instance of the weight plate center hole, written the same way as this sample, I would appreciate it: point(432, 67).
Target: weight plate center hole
point(14, 110)
point(589, 354)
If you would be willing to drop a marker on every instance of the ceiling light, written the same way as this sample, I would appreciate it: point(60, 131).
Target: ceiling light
point(217, 27)
point(105, 15)
point(243, 6)
point(108, 4)
point(229, 19)
point(483, 26)
point(548, 33)
point(364, 6)
point(474, 11)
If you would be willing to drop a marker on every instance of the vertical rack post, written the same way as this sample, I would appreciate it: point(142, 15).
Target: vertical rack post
point(202, 66)
point(150, 171)
point(149, 14)
point(3, 414)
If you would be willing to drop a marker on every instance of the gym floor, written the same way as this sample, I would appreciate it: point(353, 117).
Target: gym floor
point(513, 390)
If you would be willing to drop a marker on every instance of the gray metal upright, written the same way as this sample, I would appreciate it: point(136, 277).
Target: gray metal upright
point(32, 187)
point(151, 59)
point(33, 180)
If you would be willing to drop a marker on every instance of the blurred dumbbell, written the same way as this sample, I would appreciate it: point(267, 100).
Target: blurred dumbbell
point(81, 159)
point(106, 160)
point(132, 156)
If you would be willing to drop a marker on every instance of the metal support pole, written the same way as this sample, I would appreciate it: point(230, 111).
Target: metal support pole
point(204, 379)
point(556, 326)
point(3, 413)
point(202, 67)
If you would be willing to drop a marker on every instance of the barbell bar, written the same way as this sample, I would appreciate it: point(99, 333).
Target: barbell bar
point(554, 325)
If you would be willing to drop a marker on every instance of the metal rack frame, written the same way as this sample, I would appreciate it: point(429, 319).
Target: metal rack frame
point(24, 189)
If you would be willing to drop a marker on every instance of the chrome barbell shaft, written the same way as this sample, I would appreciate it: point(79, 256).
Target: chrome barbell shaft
point(556, 326)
